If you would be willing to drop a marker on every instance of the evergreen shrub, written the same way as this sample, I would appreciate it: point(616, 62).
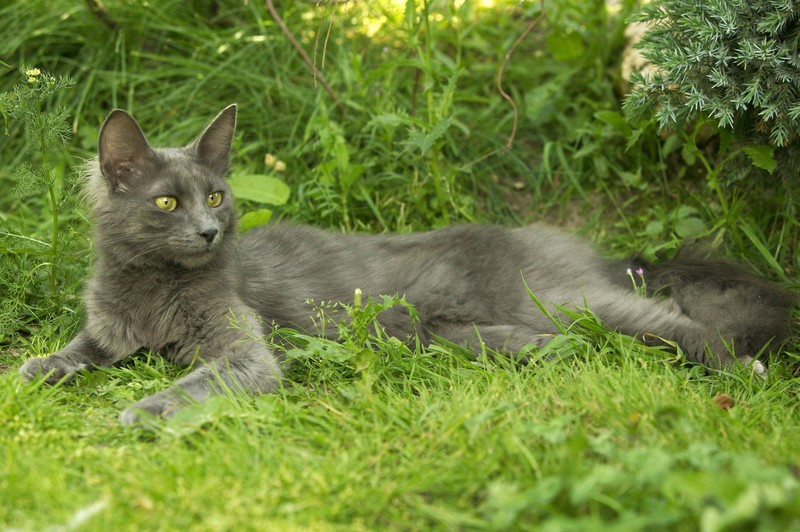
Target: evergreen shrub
point(734, 62)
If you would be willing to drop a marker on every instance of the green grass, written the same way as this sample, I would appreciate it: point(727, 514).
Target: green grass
point(612, 436)
point(369, 434)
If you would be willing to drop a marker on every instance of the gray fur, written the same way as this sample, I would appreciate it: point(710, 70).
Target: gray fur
point(171, 281)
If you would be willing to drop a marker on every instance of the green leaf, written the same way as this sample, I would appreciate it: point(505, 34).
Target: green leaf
point(566, 46)
point(260, 188)
point(254, 219)
point(388, 120)
point(689, 227)
point(689, 153)
point(762, 156)
point(540, 103)
point(654, 228)
point(633, 179)
point(425, 141)
point(615, 120)
point(363, 359)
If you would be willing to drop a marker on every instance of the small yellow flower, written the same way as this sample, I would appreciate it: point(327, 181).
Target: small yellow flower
point(273, 162)
point(33, 75)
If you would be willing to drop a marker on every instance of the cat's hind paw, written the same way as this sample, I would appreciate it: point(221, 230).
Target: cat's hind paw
point(759, 369)
point(756, 366)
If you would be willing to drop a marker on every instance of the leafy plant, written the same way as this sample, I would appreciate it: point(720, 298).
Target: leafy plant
point(362, 348)
point(45, 132)
point(260, 189)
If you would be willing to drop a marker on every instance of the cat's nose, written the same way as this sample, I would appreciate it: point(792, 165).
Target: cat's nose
point(209, 234)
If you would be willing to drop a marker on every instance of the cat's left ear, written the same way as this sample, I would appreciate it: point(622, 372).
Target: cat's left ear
point(213, 146)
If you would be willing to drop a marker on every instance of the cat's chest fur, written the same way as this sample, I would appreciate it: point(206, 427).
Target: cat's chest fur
point(168, 311)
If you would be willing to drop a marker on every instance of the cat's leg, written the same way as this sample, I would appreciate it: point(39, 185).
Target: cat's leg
point(235, 360)
point(657, 322)
point(81, 353)
point(255, 372)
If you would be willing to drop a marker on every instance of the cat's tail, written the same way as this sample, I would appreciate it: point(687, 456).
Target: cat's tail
point(742, 307)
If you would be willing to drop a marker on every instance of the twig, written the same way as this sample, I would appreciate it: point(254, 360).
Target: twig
point(100, 11)
point(317, 74)
point(316, 37)
point(327, 34)
point(510, 141)
point(501, 73)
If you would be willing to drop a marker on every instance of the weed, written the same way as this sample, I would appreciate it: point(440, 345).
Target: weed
point(45, 132)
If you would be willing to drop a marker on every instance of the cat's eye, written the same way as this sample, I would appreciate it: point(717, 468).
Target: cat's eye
point(214, 199)
point(166, 203)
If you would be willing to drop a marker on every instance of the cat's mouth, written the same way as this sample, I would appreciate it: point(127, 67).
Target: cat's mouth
point(200, 254)
point(195, 260)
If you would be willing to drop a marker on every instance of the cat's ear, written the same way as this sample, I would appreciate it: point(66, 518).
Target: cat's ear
point(213, 146)
point(121, 148)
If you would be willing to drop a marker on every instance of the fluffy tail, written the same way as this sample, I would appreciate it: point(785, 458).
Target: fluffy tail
point(741, 306)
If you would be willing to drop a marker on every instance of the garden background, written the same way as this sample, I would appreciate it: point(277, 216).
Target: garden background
point(410, 115)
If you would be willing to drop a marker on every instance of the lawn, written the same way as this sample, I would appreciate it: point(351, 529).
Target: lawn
point(411, 133)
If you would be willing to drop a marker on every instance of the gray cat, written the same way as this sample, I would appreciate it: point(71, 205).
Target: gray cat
point(171, 273)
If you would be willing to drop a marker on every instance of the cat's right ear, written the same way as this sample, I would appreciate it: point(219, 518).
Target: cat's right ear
point(213, 146)
point(121, 148)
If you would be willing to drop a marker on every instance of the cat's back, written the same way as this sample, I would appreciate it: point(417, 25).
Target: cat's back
point(303, 246)
point(458, 257)
point(465, 247)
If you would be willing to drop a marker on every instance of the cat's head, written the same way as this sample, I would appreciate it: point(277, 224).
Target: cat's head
point(162, 206)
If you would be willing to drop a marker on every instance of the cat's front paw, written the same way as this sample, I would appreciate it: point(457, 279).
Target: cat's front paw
point(160, 405)
point(52, 369)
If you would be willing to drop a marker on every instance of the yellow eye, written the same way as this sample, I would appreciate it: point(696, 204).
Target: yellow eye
point(214, 199)
point(166, 203)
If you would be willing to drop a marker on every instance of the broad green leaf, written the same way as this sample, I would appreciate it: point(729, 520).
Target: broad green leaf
point(633, 138)
point(566, 46)
point(260, 188)
point(540, 103)
point(654, 228)
point(685, 211)
point(689, 227)
point(254, 219)
point(363, 359)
